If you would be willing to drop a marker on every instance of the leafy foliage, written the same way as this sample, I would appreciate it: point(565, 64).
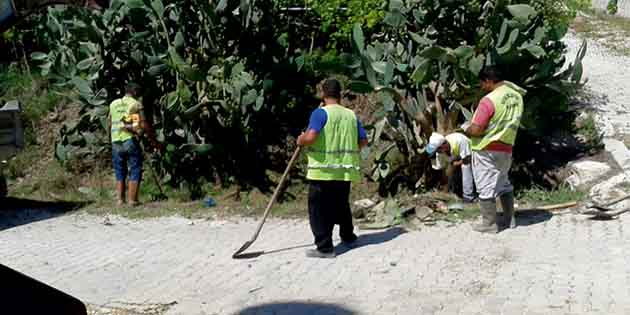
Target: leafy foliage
point(559, 11)
point(218, 78)
point(338, 17)
point(612, 7)
point(226, 81)
point(425, 69)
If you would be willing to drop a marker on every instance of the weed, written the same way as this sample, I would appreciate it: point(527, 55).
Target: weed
point(152, 210)
point(612, 7)
point(51, 182)
point(33, 93)
point(592, 136)
point(470, 212)
point(540, 196)
point(610, 31)
point(19, 165)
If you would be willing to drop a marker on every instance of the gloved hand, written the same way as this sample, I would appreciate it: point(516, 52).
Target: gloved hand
point(466, 125)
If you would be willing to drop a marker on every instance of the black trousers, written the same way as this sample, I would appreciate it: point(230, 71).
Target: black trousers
point(328, 204)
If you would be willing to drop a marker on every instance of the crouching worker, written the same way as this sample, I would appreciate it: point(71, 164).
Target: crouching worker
point(456, 147)
point(126, 123)
point(333, 139)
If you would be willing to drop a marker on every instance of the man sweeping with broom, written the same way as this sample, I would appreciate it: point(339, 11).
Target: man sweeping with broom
point(333, 141)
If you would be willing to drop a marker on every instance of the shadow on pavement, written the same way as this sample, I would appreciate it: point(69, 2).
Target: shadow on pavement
point(296, 308)
point(371, 239)
point(364, 240)
point(15, 212)
point(251, 255)
point(528, 217)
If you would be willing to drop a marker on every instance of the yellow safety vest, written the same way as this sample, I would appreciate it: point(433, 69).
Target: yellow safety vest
point(504, 124)
point(452, 141)
point(121, 110)
point(335, 154)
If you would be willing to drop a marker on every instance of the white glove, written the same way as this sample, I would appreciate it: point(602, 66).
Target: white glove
point(466, 125)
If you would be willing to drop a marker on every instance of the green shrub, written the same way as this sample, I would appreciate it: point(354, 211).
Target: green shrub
point(612, 7)
point(219, 90)
point(539, 196)
point(592, 136)
point(37, 98)
point(424, 67)
point(226, 81)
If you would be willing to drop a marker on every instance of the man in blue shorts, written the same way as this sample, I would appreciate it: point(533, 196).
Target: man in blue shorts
point(125, 121)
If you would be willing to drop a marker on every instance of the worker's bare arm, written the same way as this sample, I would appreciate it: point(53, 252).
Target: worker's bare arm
point(363, 143)
point(475, 131)
point(307, 138)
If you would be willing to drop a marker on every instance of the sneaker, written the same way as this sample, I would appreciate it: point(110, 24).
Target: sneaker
point(314, 253)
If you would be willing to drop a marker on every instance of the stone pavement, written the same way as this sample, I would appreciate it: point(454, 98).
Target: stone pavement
point(608, 76)
point(563, 264)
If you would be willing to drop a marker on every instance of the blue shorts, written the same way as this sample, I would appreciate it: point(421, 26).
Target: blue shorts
point(6, 11)
point(127, 159)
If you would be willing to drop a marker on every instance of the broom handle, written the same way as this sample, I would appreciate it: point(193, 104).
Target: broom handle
point(151, 168)
point(294, 158)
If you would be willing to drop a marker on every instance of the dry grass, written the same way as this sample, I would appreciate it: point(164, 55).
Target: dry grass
point(129, 309)
point(536, 196)
point(610, 31)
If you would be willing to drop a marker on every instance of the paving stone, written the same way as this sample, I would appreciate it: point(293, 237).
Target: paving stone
point(586, 172)
point(567, 265)
point(619, 152)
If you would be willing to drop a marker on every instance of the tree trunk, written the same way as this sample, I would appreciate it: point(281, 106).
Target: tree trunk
point(426, 124)
point(451, 120)
point(442, 125)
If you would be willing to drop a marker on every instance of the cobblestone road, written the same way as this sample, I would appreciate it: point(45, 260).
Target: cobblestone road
point(559, 265)
point(549, 265)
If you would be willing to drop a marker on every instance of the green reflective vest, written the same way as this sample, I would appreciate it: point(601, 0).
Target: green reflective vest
point(121, 109)
point(335, 154)
point(455, 141)
point(504, 124)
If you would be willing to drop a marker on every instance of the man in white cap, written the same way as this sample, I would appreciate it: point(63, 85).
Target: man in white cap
point(457, 147)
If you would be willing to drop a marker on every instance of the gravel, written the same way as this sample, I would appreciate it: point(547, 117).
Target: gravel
point(608, 85)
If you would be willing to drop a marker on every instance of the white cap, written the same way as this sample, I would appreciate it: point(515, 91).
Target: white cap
point(435, 141)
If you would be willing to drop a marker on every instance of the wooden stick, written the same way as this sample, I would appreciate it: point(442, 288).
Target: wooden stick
point(292, 162)
point(558, 206)
point(609, 215)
